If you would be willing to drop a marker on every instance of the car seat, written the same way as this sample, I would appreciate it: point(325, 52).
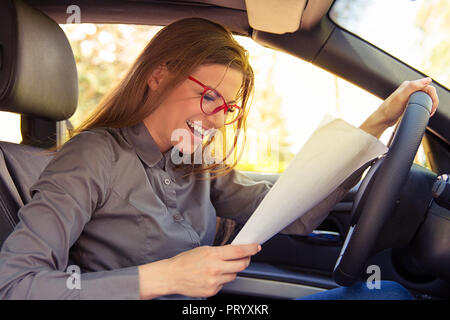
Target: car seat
point(38, 78)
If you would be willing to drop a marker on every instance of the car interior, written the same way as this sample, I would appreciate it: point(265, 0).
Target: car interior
point(39, 81)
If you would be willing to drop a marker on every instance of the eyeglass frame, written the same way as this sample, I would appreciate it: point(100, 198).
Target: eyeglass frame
point(223, 107)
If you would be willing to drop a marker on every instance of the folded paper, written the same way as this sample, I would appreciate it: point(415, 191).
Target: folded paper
point(331, 154)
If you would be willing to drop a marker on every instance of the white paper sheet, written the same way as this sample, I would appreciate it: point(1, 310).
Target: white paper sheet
point(332, 153)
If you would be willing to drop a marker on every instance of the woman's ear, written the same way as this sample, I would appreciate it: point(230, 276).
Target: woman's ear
point(157, 77)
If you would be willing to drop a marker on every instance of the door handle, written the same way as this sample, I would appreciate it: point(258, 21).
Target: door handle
point(321, 237)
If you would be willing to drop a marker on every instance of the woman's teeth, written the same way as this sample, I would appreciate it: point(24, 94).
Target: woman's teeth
point(197, 128)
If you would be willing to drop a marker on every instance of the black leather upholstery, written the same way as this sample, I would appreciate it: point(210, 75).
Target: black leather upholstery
point(38, 77)
point(38, 74)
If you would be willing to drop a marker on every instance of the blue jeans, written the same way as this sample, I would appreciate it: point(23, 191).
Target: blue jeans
point(389, 290)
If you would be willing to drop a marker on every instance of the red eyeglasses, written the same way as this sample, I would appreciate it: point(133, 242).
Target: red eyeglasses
point(212, 102)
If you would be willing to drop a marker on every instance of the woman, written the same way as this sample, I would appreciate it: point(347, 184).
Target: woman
point(115, 205)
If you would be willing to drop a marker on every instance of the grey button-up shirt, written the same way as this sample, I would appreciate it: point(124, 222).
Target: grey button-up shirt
point(109, 201)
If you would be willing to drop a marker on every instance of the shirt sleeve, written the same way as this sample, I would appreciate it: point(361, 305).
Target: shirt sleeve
point(236, 196)
point(35, 256)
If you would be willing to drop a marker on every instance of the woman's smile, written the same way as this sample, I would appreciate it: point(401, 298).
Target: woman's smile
point(196, 132)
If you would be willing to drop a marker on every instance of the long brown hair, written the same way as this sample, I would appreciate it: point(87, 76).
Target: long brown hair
point(182, 46)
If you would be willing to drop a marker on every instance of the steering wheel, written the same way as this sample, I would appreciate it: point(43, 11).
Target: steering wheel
point(376, 197)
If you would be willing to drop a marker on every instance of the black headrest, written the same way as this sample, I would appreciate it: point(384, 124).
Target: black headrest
point(38, 74)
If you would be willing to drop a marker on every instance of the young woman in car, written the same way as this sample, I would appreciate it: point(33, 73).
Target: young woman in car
point(132, 222)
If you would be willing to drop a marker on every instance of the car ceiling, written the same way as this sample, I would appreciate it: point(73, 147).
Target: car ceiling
point(150, 12)
point(232, 13)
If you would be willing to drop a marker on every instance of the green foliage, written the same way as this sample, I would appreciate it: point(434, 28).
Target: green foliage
point(103, 54)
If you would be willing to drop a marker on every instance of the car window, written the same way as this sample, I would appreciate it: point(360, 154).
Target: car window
point(415, 31)
point(103, 53)
point(10, 127)
point(291, 96)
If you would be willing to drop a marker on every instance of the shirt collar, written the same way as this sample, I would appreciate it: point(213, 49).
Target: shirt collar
point(144, 144)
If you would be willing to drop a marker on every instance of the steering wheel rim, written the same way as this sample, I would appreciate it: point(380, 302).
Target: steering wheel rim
point(380, 189)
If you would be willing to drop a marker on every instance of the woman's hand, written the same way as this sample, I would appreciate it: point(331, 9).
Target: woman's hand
point(200, 272)
point(390, 111)
point(394, 106)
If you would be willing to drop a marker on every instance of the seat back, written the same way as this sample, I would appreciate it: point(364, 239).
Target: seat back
point(38, 78)
point(20, 167)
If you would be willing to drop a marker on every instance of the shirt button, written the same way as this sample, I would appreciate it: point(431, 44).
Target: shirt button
point(178, 217)
point(167, 181)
